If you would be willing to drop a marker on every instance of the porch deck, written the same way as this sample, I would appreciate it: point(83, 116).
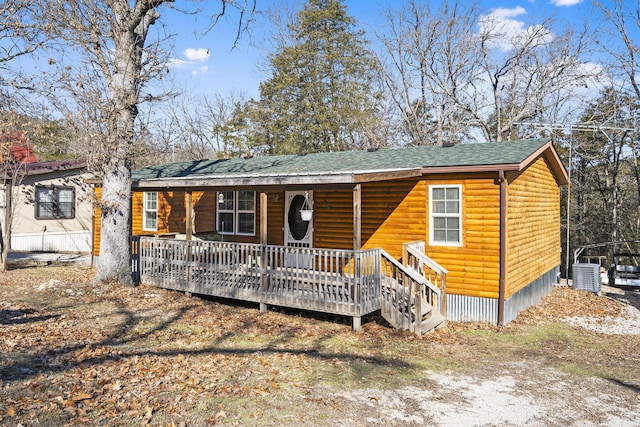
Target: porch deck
point(342, 282)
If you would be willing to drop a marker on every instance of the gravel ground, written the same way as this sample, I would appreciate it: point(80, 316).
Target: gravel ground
point(518, 394)
point(626, 323)
point(545, 398)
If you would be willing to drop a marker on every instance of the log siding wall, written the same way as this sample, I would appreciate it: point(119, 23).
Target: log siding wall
point(393, 212)
point(333, 219)
point(474, 267)
point(275, 218)
point(172, 212)
point(533, 225)
point(97, 220)
point(172, 216)
point(397, 211)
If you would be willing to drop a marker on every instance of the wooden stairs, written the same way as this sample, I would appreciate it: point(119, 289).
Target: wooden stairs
point(431, 319)
point(404, 311)
point(409, 297)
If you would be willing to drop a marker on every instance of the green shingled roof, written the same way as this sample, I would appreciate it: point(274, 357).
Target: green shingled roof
point(354, 162)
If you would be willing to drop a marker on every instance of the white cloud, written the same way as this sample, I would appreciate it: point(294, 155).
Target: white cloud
point(190, 64)
point(500, 27)
point(200, 70)
point(175, 62)
point(502, 13)
point(505, 32)
point(197, 55)
point(565, 2)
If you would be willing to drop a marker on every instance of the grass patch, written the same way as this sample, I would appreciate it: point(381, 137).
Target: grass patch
point(104, 354)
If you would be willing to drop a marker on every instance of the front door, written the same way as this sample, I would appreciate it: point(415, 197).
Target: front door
point(298, 233)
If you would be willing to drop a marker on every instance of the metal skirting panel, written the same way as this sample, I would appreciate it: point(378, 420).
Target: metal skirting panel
point(73, 241)
point(461, 308)
point(530, 294)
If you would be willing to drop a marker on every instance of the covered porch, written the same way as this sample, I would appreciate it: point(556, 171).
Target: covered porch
point(308, 232)
point(410, 295)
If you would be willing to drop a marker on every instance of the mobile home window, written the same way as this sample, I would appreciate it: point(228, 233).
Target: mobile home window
point(55, 203)
point(150, 205)
point(445, 211)
point(236, 212)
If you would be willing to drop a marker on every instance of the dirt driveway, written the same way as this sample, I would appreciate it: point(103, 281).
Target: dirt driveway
point(527, 392)
point(521, 394)
point(76, 353)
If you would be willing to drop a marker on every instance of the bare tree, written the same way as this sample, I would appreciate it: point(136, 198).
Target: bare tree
point(18, 37)
point(529, 74)
point(14, 154)
point(604, 165)
point(114, 56)
point(197, 128)
point(621, 23)
point(456, 74)
point(430, 59)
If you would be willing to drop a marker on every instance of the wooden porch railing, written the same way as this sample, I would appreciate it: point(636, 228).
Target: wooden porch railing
point(135, 259)
point(413, 255)
point(343, 282)
point(325, 280)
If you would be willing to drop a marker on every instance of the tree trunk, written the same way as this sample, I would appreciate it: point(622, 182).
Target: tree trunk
point(5, 226)
point(636, 175)
point(124, 85)
point(115, 230)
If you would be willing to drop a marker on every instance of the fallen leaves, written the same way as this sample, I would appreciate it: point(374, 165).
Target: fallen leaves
point(10, 411)
point(565, 302)
point(87, 354)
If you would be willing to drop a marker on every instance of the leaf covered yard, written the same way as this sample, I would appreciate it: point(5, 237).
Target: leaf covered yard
point(77, 353)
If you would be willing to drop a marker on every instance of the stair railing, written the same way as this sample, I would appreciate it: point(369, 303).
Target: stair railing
point(401, 294)
point(413, 255)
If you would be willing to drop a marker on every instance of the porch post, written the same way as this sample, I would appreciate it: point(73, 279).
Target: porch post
point(357, 217)
point(263, 243)
point(188, 199)
point(357, 245)
point(263, 218)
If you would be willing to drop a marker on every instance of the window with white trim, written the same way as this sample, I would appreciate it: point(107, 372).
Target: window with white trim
point(55, 203)
point(445, 213)
point(150, 211)
point(236, 213)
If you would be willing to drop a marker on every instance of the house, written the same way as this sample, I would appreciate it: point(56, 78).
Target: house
point(51, 206)
point(486, 215)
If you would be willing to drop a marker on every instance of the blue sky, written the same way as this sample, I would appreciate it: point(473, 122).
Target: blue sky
point(208, 64)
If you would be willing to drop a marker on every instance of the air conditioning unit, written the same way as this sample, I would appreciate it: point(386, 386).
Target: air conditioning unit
point(587, 277)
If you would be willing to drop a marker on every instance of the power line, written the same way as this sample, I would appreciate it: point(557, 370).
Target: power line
point(577, 126)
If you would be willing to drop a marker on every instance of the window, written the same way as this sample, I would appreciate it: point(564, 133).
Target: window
point(445, 212)
point(150, 207)
point(236, 213)
point(55, 203)
point(226, 204)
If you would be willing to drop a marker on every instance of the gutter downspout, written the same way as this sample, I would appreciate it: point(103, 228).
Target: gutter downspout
point(503, 246)
point(264, 240)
